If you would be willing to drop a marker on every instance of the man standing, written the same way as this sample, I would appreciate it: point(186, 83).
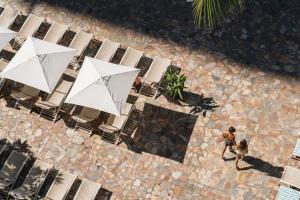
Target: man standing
point(229, 140)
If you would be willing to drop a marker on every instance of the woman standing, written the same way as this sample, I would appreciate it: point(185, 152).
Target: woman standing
point(242, 150)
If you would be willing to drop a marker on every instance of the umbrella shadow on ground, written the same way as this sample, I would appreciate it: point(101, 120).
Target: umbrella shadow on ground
point(263, 166)
point(265, 35)
point(160, 131)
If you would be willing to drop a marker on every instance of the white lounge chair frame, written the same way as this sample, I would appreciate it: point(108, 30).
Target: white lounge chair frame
point(3, 64)
point(27, 103)
point(87, 190)
point(50, 110)
point(150, 85)
point(131, 57)
point(55, 32)
point(8, 16)
point(29, 28)
point(107, 50)
point(60, 186)
point(285, 193)
point(112, 132)
point(38, 164)
point(80, 43)
point(85, 126)
point(20, 158)
point(296, 152)
point(291, 177)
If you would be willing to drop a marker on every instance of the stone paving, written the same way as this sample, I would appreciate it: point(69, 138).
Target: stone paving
point(172, 154)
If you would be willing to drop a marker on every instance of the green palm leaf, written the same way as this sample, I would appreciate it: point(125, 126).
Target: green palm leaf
point(210, 12)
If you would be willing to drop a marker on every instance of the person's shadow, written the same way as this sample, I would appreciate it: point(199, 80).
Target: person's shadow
point(263, 166)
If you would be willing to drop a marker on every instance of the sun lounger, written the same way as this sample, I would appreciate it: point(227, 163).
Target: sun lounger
point(152, 79)
point(107, 50)
point(51, 107)
point(29, 28)
point(55, 32)
point(291, 177)
point(131, 57)
point(296, 152)
point(11, 170)
point(33, 181)
point(79, 42)
point(24, 97)
point(114, 126)
point(3, 148)
point(285, 193)
point(8, 16)
point(84, 119)
point(60, 186)
point(3, 64)
point(87, 190)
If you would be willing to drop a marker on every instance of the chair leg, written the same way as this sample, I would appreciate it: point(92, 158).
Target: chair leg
point(16, 104)
point(118, 139)
point(142, 86)
point(157, 88)
point(75, 127)
point(155, 93)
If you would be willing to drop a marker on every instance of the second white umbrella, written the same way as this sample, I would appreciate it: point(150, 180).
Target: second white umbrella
point(102, 85)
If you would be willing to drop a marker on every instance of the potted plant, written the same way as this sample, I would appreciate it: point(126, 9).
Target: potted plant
point(175, 84)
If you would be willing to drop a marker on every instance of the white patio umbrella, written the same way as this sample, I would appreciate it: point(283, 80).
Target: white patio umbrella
point(5, 36)
point(39, 64)
point(102, 85)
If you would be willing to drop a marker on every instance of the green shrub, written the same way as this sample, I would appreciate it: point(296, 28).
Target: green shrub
point(175, 84)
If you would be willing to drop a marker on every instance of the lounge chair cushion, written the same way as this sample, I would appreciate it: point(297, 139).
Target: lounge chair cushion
point(11, 168)
point(8, 16)
point(107, 50)
point(26, 92)
point(61, 185)
point(55, 100)
point(86, 115)
point(285, 193)
point(296, 151)
point(3, 64)
point(21, 193)
point(157, 69)
point(82, 119)
point(80, 41)
point(4, 183)
point(131, 57)
point(55, 32)
point(21, 96)
point(291, 176)
point(114, 123)
point(64, 87)
point(30, 26)
point(127, 108)
point(87, 190)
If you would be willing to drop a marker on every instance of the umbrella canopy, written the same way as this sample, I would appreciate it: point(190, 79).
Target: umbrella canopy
point(5, 36)
point(39, 64)
point(102, 85)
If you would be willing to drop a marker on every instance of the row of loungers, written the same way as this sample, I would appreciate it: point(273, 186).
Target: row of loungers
point(290, 180)
point(35, 179)
point(151, 80)
point(51, 107)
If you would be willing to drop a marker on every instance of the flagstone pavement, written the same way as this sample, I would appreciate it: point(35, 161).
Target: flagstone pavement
point(172, 154)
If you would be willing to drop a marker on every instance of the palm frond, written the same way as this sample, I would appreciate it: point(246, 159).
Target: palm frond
point(209, 12)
